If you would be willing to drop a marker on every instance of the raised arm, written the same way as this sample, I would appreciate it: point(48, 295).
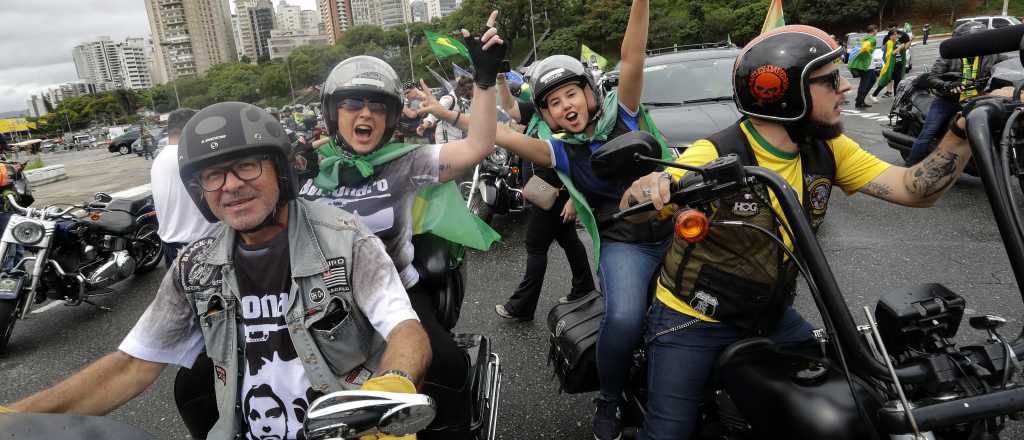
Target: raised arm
point(634, 52)
point(100, 388)
point(508, 102)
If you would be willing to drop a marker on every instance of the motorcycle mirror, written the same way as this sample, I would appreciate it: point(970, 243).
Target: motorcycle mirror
point(615, 160)
point(102, 197)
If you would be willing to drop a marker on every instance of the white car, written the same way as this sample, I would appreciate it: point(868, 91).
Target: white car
point(992, 21)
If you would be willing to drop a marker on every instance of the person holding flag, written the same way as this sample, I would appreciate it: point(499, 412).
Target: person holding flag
point(896, 44)
point(860, 66)
point(627, 255)
point(393, 187)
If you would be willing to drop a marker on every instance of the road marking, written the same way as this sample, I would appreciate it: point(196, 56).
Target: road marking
point(867, 115)
point(49, 306)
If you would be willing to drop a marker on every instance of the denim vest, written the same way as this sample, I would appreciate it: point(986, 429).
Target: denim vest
point(320, 239)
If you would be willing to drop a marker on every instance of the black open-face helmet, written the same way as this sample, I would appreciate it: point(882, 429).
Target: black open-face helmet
point(770, 75)
point(233, 130)
point(361, 77)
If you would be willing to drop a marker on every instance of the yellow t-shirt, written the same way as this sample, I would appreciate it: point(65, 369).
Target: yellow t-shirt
point(854, 169)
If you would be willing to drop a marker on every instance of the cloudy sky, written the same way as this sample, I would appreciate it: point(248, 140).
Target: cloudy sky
point(37, 37)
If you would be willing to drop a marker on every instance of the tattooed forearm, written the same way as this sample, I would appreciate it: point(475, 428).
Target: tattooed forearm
point(444, 166)
point(933, 175)
point(877, 189)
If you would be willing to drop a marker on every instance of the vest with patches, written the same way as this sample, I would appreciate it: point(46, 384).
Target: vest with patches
point(738, 275)
point(338, 346)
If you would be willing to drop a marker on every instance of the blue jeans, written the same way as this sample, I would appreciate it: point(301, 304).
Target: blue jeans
point(626, 270)
point(679, 365)
point(938, 116)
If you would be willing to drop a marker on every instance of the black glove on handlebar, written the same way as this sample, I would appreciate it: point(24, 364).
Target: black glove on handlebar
point(486, 63)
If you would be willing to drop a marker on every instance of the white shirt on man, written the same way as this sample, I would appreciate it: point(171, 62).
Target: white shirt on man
point(180, 220)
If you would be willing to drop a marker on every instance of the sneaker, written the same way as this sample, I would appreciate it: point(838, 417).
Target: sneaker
point(607, 420)
point(871, 99)
point(504, 313)
point(861, 105)
point(571, 298)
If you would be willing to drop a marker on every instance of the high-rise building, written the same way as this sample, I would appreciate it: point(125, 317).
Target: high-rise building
point(418, 8)
point(190, 36)
point(385, 13)
point(441, 8)
point(336, 16)
point(282, 42)
point(113, 65)
point(309, 21)
point(133, 56)
point(288, 17)
point(97, 61)
point(36, 108)
point(255, 21)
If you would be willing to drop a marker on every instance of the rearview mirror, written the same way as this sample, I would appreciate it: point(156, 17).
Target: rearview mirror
point(615, 160)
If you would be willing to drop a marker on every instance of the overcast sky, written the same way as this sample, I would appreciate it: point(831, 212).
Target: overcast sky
point(37, 37)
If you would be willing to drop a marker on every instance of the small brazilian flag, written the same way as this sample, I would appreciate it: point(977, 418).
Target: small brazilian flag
point(774, 19)
point(445, 46)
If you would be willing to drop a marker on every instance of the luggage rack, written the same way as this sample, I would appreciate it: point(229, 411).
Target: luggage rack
point(682, 47)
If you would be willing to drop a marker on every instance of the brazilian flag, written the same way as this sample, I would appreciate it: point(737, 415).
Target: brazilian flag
point(890, 64)
point(445, 46)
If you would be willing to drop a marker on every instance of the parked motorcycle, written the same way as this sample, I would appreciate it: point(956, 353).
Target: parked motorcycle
point(496, 186)
point(900, 375)
point(914, 98)
point(75, 253)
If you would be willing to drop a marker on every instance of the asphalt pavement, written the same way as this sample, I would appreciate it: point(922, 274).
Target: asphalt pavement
point(872, 246)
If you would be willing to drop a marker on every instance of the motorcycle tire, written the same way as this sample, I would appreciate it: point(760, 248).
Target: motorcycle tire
point(8, 316)
point(148, 232)
point(481, 209)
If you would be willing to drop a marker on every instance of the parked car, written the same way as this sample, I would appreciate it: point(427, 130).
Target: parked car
point(123, 143)
point(687, 114)
point(80, 141)
point(992, 21)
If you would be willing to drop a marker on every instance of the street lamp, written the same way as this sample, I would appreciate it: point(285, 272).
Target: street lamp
point(408, 40)
point(533, 32)
point(287, 66)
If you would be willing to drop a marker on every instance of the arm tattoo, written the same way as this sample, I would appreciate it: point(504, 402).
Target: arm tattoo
point(936, 173)
point(444, 166)
point(877, 189)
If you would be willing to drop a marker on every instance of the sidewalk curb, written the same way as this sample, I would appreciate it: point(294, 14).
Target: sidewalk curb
point(45, 175)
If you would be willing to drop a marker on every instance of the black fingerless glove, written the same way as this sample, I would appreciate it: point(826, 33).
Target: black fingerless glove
point(486, 63)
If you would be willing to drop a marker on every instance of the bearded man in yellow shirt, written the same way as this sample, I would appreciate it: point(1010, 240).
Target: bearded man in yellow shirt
point(736, 283)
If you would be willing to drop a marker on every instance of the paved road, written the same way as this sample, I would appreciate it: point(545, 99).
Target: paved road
point(873, 247)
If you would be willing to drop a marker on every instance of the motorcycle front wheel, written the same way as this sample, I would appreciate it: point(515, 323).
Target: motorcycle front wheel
point(153, 249)
point(8, 315)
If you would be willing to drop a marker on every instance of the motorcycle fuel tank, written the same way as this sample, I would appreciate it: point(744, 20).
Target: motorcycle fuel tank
point(784, 392)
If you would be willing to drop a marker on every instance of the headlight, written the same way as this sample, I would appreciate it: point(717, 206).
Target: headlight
point(499, 156)
point(28, 233)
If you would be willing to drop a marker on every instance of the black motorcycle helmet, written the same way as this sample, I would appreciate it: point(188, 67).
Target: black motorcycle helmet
point(558, 70)
point(232, 130)
point(770, 75)
point(362, 77)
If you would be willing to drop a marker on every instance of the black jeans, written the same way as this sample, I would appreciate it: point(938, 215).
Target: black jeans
point(897, 75)
point(867, 80)
point(542, 228)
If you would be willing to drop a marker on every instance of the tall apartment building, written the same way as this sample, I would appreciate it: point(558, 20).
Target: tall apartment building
point(282, 41)
point(418, 9)
point(97, 61)
point(190, 36)
point(36, 108)
point(255, 21)
point(309, 21)
point(385, 13)
point(336, 16)
point(133, 56)
point(113, 65)
point(288, 17)
point(441, 8)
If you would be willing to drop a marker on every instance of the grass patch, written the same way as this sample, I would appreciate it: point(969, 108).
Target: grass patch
point(35, 163)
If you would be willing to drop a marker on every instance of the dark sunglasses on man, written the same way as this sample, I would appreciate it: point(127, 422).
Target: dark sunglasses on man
point(828, 79)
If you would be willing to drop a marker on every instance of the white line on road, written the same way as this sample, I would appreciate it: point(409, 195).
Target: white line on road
point(49, 306)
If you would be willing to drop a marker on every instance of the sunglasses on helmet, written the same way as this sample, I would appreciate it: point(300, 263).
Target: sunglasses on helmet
point(828, 79)
point(355, 105)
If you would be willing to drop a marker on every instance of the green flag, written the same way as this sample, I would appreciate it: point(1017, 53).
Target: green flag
point(440, 210)
point(592, 57)
point(445, 46)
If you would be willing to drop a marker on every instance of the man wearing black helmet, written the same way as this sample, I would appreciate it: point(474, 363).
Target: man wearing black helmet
point(287, 296)
point(944, 106)
point(736, 283)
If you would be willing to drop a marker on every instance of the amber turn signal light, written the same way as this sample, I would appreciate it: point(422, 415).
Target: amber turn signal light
point(692, 225)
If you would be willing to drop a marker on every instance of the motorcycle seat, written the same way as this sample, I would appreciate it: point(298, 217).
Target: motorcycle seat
point(113, 222)
point(132, 204)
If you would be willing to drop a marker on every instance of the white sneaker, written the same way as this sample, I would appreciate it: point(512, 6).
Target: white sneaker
point(871, 99)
